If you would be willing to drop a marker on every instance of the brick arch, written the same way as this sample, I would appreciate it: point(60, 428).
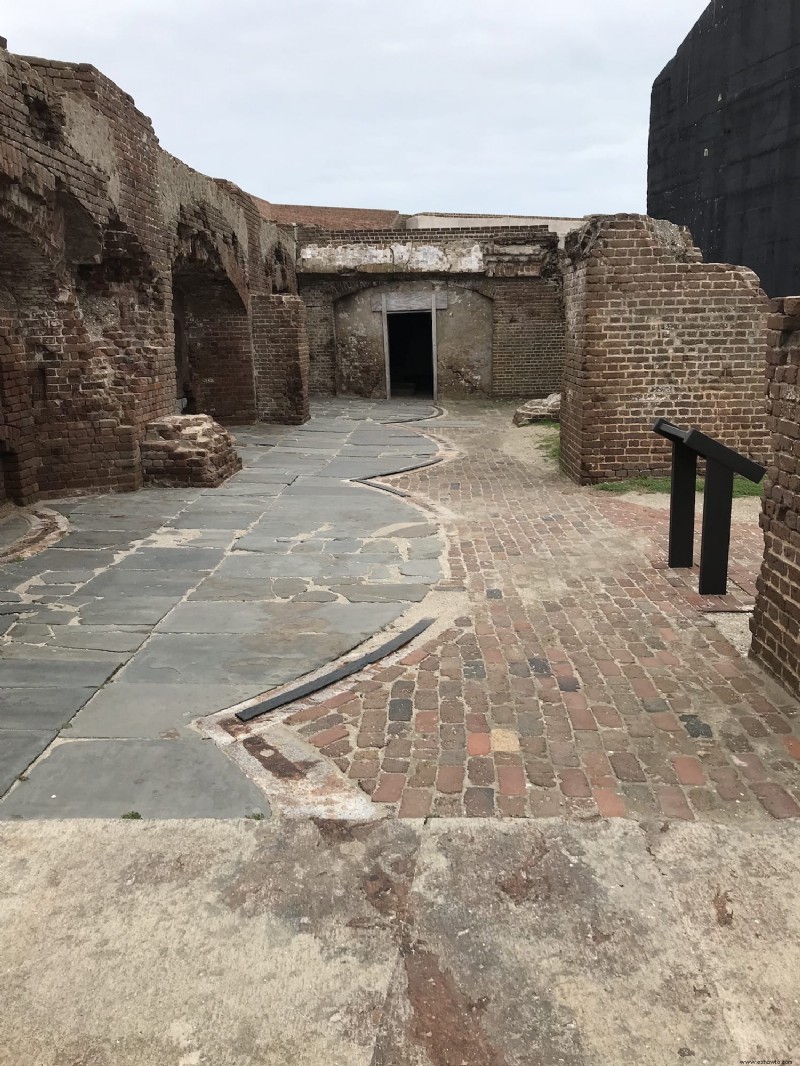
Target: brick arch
point(28, 290)
point(205, 242)
point(212, 343)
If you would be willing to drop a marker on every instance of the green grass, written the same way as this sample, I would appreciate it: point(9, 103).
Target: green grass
point(741, 486)
point(551, 444)
point(132, 816)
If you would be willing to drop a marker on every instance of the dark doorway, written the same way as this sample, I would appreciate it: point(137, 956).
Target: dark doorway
point(410, 353)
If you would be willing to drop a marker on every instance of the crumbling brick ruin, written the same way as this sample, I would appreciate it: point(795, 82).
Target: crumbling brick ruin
point(776, 622)
point(653, 331)
point(137, 295)
point(127, 284)
point(499, 320)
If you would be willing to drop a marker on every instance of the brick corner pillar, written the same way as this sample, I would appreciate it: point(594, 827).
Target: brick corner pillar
point(280, 359)
point(654, 332)
point(776, 621)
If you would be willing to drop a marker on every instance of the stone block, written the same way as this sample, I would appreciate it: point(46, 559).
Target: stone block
point(548, 409)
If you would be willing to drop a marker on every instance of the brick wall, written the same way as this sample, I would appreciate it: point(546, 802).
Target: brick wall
point(528, 330)
point(219, 350)
point(653, 331)
point(96, 221)
point(528, 342)
point(776, 621)
point(280, 345)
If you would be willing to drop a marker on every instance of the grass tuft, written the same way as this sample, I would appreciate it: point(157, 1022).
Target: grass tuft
point(741, 486)
point(132, 815)
point(551, 444)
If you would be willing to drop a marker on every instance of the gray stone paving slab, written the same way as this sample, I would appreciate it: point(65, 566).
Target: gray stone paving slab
point(18, 749)
point(425, 569)
point(220, 515)
point(102, 522)
point(153, 710)
point(63, 577)
point(372, 593)
point(14, 607)
point(241, 577)
point(48, 614)
point(198, 658)
point(128, 610)
point(320, 569)
point(182, 558)
point(155, 778)
point(271, 620)
point(139, 584)
point(246, 489)
point(36, 708)
point(192, 538)
point(73, 673)
point(18, 651)
point(101, 638)
point(100, 538)
point(426, 548)
point(256, 475)
point(60, 558)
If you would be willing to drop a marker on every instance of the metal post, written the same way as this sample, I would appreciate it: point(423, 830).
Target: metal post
point(681, 506)
point(716, 542)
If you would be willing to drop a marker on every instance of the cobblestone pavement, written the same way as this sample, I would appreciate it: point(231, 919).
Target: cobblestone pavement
point(579, 676)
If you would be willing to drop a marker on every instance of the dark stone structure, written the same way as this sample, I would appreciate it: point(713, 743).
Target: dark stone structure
point(725, 138)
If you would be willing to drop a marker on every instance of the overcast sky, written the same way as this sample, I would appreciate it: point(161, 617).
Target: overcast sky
point(528, 106)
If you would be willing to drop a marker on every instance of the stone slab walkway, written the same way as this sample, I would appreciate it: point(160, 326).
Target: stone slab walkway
point(161, 606)
point(579, 677)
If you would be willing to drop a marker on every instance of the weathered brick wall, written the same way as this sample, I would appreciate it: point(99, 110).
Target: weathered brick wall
point(280, 345)
point(776, 620)
point(515, 266)
point(653, 331)
point(319, 296)
point(98, 226)
point(528, 348)
point(219, 351)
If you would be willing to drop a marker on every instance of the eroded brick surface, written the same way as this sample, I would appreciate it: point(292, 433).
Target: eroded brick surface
point(776, 622)
point(583, 679)
point(653, 331)
point(119, 266)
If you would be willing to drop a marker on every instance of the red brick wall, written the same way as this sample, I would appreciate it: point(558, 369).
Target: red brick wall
point(94, 219)
point(528, 343)
point(280, 345)
point(652, 331)
point(776, 621)
point(219, 349)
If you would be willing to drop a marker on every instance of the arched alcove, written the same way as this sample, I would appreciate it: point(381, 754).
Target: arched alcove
point(213, 344)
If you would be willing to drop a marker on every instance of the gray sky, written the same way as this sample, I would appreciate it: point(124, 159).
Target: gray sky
point(530, 106)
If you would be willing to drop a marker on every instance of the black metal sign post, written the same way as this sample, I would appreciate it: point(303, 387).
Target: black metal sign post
point(722, 463)
point(715, 543)
point(681, 506)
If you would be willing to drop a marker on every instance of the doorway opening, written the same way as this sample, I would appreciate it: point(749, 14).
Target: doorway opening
point(410, 353)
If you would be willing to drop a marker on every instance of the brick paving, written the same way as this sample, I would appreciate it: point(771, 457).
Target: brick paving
point(583, 679)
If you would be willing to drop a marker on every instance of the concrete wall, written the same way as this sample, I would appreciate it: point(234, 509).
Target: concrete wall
point(653, 331)
point(725, 138)
point(464, 338)
point(517, 269)
point(560, 226)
